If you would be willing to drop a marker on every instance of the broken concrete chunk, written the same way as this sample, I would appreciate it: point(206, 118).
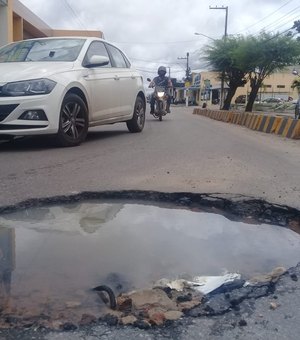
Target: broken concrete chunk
point(87, 319)
point(173, 315)
point(128, 320)
point(150, 298)
point(156, 316)
point(273, 305)
point(273, 276)
point(178, 285)
point(124, 303)
point(184, 306)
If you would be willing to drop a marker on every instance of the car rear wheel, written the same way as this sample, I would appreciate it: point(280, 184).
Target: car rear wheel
point(73, 121)
point(137, 122)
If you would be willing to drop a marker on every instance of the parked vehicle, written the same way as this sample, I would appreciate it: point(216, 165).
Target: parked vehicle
point(272, 100)
point(240, 99)
point(63, 86)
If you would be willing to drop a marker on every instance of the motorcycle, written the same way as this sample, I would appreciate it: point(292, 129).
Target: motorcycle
point(160, 104)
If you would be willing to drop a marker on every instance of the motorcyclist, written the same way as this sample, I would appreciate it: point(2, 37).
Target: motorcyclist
point(163, 81)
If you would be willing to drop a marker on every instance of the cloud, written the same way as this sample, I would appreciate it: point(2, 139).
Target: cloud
point(154, 32)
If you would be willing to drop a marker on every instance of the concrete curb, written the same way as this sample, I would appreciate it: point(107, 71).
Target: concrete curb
point(282, 126)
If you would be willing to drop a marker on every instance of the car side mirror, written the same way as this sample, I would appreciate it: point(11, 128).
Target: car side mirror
point(96, 60)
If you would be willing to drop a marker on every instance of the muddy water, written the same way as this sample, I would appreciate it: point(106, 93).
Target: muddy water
point(51, 257)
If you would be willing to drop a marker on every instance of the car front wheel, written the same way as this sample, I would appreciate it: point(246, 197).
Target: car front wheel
point(137, 122)
point(73, 121)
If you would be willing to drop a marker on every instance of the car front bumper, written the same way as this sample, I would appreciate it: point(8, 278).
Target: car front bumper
point(11, 109)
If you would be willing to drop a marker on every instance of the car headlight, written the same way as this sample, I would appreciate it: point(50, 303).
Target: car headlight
point(28, 87)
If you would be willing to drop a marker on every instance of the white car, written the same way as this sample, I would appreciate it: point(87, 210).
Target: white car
point(64, 85)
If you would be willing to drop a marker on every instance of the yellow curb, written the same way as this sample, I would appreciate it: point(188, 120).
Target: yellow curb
point(296, 133)
point(276, 124)
point(266, 123)
point(287, 127)
point(280, 122)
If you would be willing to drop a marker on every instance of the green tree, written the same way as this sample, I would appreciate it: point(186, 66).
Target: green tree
point(296, 85)
point(222, 57)
point(297, 25)
point(263, 55)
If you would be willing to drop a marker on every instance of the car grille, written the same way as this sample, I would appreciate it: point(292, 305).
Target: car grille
point(5, 110)
point(4, 127)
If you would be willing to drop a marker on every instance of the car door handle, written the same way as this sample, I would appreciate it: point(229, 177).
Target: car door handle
point(116, 78)
point(133, 77)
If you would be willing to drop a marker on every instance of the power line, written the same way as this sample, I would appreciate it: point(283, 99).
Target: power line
point(264, 18)
point(158, 62)
point(150, 61)
point(74, 14)
point(285, 23)
point(279, 20)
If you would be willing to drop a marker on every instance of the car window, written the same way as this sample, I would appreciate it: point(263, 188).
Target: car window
point(42, 50)
point(117, 56)
point(96, 48)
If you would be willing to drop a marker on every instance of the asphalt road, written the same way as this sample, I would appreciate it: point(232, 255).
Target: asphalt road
point(182, 153)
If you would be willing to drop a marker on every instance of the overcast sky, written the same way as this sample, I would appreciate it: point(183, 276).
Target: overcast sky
point(158, 32)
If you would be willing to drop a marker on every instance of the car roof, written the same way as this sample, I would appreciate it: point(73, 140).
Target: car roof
point(66, 37)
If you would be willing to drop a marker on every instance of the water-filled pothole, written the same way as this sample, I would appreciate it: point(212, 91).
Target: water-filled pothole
point(51, 257)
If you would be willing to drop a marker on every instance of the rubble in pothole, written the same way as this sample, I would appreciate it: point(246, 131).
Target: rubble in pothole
point(169, 300)
point(164, 303)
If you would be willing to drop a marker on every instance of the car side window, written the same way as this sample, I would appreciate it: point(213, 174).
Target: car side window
point(96, 48)
point(117, 56)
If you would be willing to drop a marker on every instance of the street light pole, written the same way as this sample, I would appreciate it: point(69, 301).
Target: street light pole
point(206, 36)
point(225, 36)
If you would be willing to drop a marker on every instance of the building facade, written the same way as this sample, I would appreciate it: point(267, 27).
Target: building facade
point(17, 22)
point(208, 88)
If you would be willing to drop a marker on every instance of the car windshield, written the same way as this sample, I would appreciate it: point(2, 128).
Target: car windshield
point(42, 50)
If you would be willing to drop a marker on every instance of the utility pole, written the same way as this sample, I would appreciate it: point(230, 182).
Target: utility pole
point(187, 73)
point(169, 71)
point(225, 36)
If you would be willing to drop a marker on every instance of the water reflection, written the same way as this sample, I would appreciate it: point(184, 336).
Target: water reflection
point(62, 252)
point(7, 264)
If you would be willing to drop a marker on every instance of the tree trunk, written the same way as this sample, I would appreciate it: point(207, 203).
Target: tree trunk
point(252, 97)
point(230, 94)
